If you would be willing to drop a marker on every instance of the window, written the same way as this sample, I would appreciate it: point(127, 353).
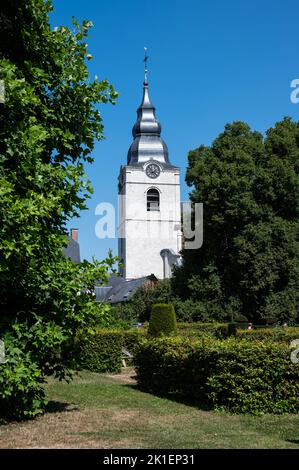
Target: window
point(153, 200)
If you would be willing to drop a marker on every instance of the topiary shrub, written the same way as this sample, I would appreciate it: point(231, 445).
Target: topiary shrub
point(162, 321)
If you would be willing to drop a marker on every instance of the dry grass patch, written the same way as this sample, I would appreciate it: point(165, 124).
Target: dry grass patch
point(108, 411)
point(69, 429)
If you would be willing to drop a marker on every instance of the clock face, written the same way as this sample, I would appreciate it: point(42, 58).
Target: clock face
point(152, 170)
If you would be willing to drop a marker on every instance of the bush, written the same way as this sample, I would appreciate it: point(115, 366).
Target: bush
point(190, 310)
point(21, 392)
point(163, 320)
point(198, 330)
point(139, 305)
point(101, 350)
point(239, 376)
point(276, 334)
point(132, 338)
point(123, 312)
point(239, 318)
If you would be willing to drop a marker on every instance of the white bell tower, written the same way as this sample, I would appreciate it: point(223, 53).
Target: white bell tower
point(149, 200)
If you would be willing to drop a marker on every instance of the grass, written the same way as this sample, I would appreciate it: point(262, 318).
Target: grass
point(108, 411)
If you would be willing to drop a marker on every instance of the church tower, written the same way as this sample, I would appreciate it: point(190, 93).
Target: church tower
point(149, 200)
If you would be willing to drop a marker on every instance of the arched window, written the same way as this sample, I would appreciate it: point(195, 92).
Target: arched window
point(153, 200)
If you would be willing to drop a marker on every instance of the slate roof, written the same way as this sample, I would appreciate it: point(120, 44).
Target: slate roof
point(147, 144)
point(119, 290)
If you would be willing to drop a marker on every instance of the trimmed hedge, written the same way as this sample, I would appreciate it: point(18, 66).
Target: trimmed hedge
point(278, 334)
point(224, 330)
point(163, 320)
point(239, 376)
point(198, 330)
point(101, 350)
point(132, 338)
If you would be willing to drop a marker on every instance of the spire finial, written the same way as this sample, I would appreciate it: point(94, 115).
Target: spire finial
point(145, 65)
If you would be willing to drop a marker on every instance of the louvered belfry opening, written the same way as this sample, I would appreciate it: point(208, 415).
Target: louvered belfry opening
point(153, 200)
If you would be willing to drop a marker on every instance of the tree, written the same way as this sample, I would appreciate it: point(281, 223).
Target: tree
point(48, 124)
point(248, 263)
point(139, 306)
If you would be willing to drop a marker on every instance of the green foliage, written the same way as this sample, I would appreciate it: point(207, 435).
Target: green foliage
point(163, 320)
point(21, 392)
point(277, 334)
point(239, 376)
point(48, 125)
point(224, 330)
point(100, 350)
point(109, 317)
point(248, 263)
point(239, 318)
point(199, 330)
point(140, 305)
point(132, 338)
point(190, 310)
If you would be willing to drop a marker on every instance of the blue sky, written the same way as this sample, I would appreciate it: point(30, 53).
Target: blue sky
point(211, 62)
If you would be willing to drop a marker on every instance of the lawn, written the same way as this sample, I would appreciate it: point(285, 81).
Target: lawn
point(108, 411)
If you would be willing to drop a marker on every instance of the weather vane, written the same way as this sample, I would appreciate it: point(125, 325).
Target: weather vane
point(145, 64)
point(145, 57)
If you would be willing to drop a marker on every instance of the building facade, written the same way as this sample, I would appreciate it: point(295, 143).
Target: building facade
point(149, 201)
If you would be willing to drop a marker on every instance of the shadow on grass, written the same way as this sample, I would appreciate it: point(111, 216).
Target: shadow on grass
point(175, 397)
point(52, 407)
point(59, 407)
point(293, 441)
